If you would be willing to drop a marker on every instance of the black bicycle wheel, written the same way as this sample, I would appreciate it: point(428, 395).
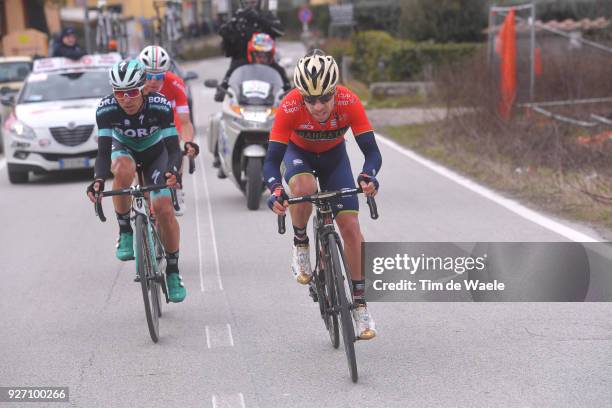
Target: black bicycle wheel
point(346, 320)
point(144, 266)
point(160, 279)
point(326, 293)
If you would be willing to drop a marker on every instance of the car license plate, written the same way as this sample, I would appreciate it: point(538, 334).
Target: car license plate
point(74, 163)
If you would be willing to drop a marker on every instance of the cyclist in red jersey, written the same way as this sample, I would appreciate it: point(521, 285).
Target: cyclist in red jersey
point(159, 79)
point(308, 135)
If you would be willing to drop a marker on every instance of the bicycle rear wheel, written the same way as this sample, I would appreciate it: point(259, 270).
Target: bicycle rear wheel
point(145, 269)
point(340, 274)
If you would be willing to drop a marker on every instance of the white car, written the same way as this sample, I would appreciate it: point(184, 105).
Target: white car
point(53, 123)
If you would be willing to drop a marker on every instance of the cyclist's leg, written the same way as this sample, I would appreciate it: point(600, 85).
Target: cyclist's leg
point(298, 174)
point(155, 161)
point(123, 168)
point(335, 174)
point(299, 177)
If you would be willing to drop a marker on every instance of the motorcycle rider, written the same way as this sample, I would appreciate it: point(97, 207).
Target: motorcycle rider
point(237, 32)
point(261, 50)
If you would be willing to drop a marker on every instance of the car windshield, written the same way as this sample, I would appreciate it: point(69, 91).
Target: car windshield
point(14, 71)
point(43, 87)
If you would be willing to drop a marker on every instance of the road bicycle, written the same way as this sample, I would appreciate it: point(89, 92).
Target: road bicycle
point(332, 284)
point(149, 252)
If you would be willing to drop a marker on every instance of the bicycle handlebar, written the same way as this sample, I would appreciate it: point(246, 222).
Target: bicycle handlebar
point(191, 161)
point(130, 191)
point(327, 196)
point(191, 165)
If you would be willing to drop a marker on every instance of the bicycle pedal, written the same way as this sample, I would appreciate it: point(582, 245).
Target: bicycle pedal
point(137, 279)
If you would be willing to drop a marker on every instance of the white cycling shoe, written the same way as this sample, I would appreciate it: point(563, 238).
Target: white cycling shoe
point(300, 264)
point(365, 323)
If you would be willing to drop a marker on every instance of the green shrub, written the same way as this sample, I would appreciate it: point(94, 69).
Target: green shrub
point(371, 50)
point(379, 57)
point(337, 48)
point(408, 61)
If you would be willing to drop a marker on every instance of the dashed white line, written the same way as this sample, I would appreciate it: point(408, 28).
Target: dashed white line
point(219, 335)
point(2, 163)
point(212, 225)
point(207, 336)
point(197, 212)
point(228, 401)
point(229, 331)
point(511, 205)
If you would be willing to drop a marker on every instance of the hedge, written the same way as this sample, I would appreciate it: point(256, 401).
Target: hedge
point(379, 57)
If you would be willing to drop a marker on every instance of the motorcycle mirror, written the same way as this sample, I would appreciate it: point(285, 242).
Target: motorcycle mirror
point(190, 75)
point(211, 83)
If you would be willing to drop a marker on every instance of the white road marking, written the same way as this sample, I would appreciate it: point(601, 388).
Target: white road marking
point(228, 401)
point(2, 163)
point(231, 337)
point(219, 335)
point(207, 336)
point(511, 205)
point(202, 171)
point(197, 212)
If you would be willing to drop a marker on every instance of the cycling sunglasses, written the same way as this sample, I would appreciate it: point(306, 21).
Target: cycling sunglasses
point(158, 77)
point(311, 100)
point(126, 93)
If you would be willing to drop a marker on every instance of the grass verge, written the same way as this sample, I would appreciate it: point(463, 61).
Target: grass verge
point(541, 188)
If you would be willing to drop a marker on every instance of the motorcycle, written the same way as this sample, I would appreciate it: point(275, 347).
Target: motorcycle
point(238, 135)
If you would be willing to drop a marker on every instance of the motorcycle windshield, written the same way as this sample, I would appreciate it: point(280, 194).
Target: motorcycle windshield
point(256, 84)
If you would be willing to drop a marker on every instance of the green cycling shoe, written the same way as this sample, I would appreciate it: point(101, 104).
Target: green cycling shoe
point(176, 289)
point(125, 246)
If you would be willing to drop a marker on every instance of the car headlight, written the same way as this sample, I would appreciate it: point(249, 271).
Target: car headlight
point(20, 129)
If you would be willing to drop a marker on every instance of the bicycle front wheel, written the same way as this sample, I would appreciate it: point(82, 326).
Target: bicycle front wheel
point(145, 268)
point(326, 291)
point(160, 277)
point(340, 274)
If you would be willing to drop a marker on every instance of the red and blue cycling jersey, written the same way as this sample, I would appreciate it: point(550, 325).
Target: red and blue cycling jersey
point(176, 93)
point(293, 122)
point(308, 146)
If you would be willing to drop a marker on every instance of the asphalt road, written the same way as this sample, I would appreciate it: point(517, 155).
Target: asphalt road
point(249, 336)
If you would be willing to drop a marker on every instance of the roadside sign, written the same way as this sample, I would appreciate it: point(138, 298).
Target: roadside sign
point(305, 15)
point(87, 61)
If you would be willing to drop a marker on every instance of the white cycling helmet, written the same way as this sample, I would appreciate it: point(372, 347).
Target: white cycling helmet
point(316, 74)
point(155, 59)
point(127, 74)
